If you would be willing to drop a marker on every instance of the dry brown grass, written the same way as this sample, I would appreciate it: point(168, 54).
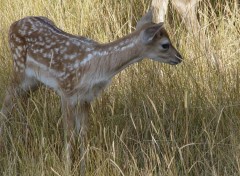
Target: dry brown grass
point(154, 119)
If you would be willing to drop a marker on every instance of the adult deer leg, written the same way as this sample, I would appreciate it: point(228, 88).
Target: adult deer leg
point(187, 10)
point(159, 10)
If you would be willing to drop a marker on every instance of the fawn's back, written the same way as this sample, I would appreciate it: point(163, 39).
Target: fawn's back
point(43, 51)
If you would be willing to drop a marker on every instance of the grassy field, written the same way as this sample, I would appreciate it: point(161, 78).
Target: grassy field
point(154, 119)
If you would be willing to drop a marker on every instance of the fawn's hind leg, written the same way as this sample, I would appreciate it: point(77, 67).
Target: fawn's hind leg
point(21, 84)
point(19, 87)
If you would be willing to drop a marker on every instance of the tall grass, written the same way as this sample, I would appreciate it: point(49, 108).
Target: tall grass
point(154, 119)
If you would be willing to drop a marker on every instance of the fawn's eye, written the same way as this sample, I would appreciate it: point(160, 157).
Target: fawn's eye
point(165, 46)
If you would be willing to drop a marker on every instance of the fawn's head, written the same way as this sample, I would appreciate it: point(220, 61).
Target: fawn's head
point(158, 45)
point(156, 42)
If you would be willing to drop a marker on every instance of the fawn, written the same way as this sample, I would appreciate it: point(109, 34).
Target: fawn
point(77, 68)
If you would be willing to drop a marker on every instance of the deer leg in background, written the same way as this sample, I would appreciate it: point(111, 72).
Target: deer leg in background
point(156, 14)
point(159, 10)
point(188, 11)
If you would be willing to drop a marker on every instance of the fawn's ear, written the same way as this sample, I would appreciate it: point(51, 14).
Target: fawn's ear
point(151, 32)
point(147, 18)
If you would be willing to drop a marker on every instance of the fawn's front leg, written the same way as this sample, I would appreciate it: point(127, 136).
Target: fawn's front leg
point(68, 124)
point(81, 117)
point(75, 127)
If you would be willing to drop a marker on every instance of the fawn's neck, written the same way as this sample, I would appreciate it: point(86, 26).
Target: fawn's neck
point(113, 57)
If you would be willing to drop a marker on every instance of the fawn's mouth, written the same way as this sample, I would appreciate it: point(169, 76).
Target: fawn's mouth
point(174, 62)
